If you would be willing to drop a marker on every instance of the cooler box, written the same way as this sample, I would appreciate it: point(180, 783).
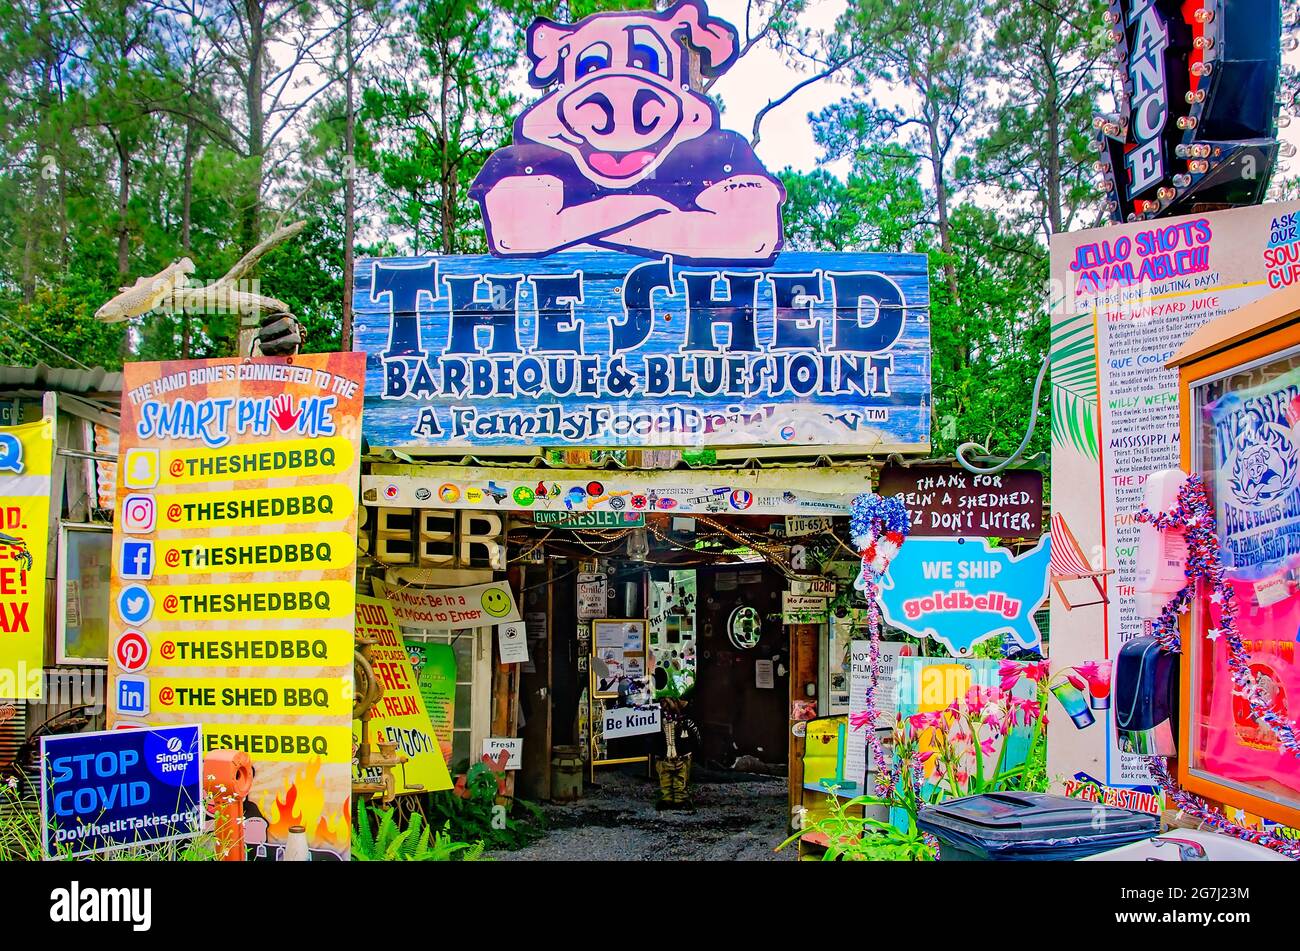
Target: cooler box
point(1028, 826)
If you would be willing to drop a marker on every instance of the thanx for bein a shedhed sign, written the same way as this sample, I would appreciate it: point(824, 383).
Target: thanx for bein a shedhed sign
point(637, 293)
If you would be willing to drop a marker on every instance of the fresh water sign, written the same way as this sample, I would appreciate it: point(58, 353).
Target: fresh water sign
point(960, 591)
point(101, 791)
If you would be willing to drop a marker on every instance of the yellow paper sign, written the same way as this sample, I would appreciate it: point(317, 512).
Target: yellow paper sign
point(399, 717)
point(26, 453)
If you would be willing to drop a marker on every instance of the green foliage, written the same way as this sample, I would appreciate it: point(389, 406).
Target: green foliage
point(475, 815)
point(387, 841)
point(20, 839)
point(857, 838)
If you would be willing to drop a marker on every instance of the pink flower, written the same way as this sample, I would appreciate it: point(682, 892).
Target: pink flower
point(1028, 711)
point(931, 719)
point(858, 720)
point(1009, 672)
point(987, 746)
point(1037, 672)
point(924, 757)
point(962, 777)
point(977, 697)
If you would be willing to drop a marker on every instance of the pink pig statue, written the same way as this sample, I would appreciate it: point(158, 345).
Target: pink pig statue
point(621, 154)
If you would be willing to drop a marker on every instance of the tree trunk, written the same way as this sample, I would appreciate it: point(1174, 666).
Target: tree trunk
point(44, 97)
point(349, 182)
point(187, 214)
point(123, 207)
point(447, 217)
point(251, 225)
point(941, 206)
point(1052, 102)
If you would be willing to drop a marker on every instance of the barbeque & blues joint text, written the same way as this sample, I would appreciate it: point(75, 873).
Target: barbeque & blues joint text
point(516, 336)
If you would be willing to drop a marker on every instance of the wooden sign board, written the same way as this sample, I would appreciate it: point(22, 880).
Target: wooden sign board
point(949, 502)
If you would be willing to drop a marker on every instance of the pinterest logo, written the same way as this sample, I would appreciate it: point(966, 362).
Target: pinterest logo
point(131, 651)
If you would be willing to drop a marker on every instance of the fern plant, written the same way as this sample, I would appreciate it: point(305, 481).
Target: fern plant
point(418, 842)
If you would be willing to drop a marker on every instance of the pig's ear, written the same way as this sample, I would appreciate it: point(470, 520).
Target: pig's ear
point(715, 39)
point(546, 43)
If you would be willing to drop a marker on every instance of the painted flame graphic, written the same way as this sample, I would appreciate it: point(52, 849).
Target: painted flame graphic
point(302, 803)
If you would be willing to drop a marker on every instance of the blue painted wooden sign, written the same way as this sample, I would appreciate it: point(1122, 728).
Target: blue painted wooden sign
point(608, 349)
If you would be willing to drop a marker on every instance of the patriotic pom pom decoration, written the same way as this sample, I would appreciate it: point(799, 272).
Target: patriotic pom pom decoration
point(877, 527)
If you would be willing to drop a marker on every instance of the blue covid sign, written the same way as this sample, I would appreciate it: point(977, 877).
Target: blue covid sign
point(610, 349)
point(102, 791)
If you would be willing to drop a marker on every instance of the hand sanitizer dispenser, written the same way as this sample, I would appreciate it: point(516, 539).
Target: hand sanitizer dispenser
point(1146, 698)
point(1161, 555)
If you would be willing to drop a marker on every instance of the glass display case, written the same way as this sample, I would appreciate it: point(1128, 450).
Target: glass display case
point(1240, 400)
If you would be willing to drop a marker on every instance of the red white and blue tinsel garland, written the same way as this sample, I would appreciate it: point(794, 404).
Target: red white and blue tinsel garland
point(877, 526)
point(1198, 808)
point(1194, 514)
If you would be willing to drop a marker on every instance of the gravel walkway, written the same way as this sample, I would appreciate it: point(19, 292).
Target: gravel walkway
point(737, 817)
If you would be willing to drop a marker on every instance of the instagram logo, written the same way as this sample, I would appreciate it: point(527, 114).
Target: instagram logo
point(138, 514)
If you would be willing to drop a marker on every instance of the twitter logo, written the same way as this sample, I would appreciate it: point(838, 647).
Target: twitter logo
point(135, 604)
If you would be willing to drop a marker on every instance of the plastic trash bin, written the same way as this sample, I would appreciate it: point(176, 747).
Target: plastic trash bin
point(1027, 826)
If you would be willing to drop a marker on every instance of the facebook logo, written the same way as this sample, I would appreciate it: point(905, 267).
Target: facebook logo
point(137, 559)
point(133, 695)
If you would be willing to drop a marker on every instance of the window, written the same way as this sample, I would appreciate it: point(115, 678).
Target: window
point(471, 701)
point(85, 564)
point(1246, 448)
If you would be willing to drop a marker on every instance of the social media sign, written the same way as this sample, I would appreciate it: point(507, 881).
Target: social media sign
point(140, 468)
point(137, 560)
point(135, 604)
point(139, 514)
point(131, 651)
point(132, 695)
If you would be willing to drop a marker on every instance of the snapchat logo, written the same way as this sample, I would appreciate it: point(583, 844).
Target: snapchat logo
point(140, 468)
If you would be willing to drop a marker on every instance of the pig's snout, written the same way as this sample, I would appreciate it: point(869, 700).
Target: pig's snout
point(621, 115)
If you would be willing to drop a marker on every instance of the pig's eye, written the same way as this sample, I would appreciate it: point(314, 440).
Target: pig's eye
point(648, 52)
point(595, 56)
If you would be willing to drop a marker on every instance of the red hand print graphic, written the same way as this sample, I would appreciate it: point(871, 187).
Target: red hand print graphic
point(283, 413)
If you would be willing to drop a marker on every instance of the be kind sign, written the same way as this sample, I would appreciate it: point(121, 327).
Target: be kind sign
point(960, 591)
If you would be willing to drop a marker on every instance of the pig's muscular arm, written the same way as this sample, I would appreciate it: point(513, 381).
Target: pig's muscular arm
point(528, 214)
point(737, 218)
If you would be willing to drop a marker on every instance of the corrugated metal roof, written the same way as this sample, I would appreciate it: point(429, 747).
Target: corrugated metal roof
point(42, 377)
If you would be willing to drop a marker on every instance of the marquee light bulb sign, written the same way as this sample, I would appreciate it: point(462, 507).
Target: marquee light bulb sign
point(1197, 123)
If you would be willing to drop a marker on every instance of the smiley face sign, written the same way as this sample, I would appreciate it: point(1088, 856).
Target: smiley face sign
point(497, 601)
point(450, 609)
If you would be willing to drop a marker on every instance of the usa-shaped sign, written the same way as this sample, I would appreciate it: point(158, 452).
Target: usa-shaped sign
point(961, 591)
point(116, 788)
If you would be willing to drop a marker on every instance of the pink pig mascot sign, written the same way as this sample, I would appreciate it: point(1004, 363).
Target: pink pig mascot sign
point(621, 154)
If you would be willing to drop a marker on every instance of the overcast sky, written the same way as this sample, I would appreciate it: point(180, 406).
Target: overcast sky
point(787, 136)
point(762, 74)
